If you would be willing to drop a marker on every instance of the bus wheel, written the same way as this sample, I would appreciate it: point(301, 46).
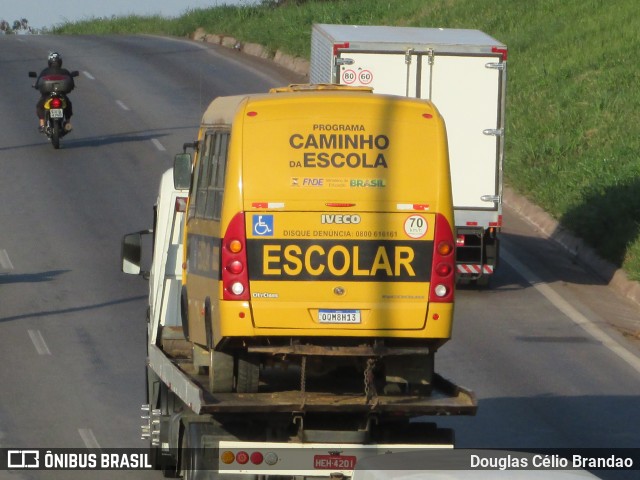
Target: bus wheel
point(220, 372)
point(247, 373)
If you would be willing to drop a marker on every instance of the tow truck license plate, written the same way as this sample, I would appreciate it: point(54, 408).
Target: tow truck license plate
point(56, 113)
point(337, 462)
point(339, 316)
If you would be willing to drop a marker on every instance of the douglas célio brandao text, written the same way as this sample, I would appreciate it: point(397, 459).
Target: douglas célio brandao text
point(546, 461)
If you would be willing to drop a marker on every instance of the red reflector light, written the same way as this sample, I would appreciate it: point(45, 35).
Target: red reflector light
point(54, 78)
point(256, 458)
point(501, 51)
point(340, 204)
point(252, 114)
point(242, 457)
point(56, 103)
point(443, 269)
point(427, 115)
point(498, 223)
point(235, 267)
point(339, 46)
point(460, 241)
point(181, 204)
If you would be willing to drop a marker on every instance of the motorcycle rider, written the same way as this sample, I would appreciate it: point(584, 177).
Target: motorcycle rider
point(54, 68)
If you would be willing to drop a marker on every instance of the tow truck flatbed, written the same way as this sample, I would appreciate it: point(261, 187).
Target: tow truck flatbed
point(446, 398)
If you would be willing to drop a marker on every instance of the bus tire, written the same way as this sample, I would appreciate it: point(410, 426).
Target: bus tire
point(247, 373)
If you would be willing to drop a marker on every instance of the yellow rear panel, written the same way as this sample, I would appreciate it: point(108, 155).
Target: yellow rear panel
point(340, 192)
point(372, 150)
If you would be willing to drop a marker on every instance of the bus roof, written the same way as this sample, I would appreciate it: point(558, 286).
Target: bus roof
point(222, 110)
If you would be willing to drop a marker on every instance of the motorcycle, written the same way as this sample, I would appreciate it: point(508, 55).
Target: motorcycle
point(56, 87)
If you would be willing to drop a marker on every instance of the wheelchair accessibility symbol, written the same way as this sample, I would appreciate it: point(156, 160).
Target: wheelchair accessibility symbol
point(263, 225)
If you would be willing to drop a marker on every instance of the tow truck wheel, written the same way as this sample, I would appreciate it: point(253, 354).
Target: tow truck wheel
point(193, 453)
point(200, 453)
point(158, 399)
point(162, 463)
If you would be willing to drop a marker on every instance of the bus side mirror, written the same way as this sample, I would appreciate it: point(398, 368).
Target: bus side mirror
point(182, 171)
point(131, 254)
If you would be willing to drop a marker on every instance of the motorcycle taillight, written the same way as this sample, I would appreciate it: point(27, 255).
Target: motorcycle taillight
point(56, 103)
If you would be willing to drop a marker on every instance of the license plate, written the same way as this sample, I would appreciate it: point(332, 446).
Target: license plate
point(339, 316)
point(56, 113)
point(334, 462)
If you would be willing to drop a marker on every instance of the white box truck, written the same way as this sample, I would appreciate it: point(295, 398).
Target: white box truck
point(464, 73)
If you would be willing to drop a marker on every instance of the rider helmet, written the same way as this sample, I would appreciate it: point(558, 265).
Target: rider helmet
point(55, 60)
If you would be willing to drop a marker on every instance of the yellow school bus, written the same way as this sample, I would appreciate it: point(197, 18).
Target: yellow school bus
point(318, 231)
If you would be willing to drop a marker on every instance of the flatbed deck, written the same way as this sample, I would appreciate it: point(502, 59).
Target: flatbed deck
point(446, 398)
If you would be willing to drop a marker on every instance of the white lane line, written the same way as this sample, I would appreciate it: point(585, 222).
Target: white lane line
point(574, 315)
point(122, 105)
point(88, 438)
point(38, 342)
point(5, 262)
point(88, 75)
point(158, 145)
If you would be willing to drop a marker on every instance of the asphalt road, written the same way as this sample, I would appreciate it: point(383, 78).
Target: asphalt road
point(72, 327)
point(538, 347)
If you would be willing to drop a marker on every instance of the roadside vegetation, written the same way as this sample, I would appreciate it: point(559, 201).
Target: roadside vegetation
point(573, 110)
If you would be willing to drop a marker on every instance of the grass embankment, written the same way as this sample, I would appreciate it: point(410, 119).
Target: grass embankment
point(573, 110)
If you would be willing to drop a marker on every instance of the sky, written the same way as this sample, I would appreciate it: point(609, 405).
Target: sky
point(47, 13)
